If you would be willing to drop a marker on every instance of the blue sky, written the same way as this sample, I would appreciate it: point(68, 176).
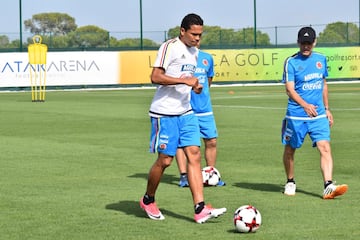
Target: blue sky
point(160, 15)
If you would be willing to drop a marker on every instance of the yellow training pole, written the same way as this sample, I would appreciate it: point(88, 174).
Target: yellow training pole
point(37, 65)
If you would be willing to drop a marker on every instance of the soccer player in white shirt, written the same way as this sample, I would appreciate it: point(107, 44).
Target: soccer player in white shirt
point(173, 123)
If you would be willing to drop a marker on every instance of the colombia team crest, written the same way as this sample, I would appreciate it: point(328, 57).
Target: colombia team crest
point(205, 62)
point(319, 65)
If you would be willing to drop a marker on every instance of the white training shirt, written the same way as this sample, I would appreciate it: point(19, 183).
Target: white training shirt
point(178, 61)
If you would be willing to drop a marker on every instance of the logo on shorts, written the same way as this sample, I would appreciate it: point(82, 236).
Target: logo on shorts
point(162, 146)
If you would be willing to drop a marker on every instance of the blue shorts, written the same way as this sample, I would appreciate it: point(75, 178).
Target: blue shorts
point(294, 131)
point(170, 133)
point(207, 126)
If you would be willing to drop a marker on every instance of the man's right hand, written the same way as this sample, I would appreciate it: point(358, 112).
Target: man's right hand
point(194, 83)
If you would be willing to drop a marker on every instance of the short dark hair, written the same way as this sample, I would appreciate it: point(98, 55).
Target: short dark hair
point(191, 19)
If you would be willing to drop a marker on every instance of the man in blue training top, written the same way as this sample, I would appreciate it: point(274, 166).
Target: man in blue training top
point(308, 111)
point(202, 107)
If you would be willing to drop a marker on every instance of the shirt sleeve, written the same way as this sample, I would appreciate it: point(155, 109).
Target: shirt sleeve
point(211, 67)
point(289, 72)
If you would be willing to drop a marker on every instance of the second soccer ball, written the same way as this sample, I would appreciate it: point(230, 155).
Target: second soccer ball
point(211, 176)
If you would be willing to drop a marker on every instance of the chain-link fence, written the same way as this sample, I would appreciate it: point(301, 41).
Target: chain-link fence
point(277, 36)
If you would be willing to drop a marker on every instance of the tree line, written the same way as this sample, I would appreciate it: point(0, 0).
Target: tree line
point(59, 30)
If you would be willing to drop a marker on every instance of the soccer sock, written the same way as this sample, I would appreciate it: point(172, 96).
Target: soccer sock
point(183, 175)
point(291, 180)
point(148, 199)
point(199, 207)
point(327, 183)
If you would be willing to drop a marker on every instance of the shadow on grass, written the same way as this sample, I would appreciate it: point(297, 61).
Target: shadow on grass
point(239, 233)
point(269, 187)
point(133, 208)
point(127, 207)
point(166, 178)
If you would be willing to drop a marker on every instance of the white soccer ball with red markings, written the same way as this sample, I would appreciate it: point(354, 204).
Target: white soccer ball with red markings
point(247, 219)
point(211, 176)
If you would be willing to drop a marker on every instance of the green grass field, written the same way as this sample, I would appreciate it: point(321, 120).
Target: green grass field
point(75, 167)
